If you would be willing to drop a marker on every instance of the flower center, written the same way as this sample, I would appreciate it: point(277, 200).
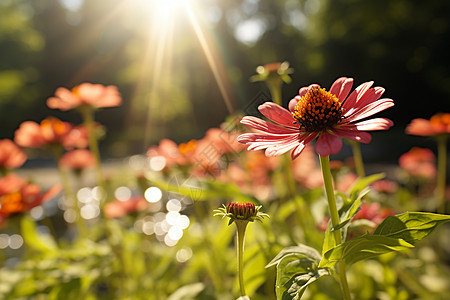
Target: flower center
point(317, 110)
point(242, 210)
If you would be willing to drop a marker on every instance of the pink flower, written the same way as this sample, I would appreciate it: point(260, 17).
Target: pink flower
point(11, 156)
point(95, 95)
point(50, 131)
point(419, 162)
point(438, 124)
point(316, 112)
point(79, 159)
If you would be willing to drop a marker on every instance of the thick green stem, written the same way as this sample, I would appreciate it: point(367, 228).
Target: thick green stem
point(241, 225)
point(442, 168)
point(357, 157)
point(325, 165)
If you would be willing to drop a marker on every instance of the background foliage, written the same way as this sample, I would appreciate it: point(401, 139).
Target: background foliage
point(401, 45)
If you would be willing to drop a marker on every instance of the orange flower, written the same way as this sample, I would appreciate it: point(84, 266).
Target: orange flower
point(18, 196)
point(94, 95)
point(117, 209)
point(50, 131)
point(78, 159)
point(438, 124)
point(11, 156)
point(419, 162)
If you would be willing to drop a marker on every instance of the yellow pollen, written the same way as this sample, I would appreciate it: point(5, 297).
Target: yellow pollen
point(317, 110)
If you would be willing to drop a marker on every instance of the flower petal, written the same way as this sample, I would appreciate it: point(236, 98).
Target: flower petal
point(265, 126)
point(277, 114)
point(276, 150)
point(369, 110)
point(374, 124)
point(328, 143)
point(356, 95)
point(298, 150)
point(353, 134)
point(341, 87)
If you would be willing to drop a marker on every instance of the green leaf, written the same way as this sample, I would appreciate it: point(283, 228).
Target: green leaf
point(329, 240)
point(361, 184)
point(294, 273)
point(186, 292)
point(301, 250)
point(205, 190)
point(361, 248)
point(35, 240)
point(410, 226)
point(350, 213)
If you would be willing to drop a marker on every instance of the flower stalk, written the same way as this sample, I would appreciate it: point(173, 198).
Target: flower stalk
point(441, 169)
point(240, 237)
point(241, 213)
point(357, 157)
point(334, 215)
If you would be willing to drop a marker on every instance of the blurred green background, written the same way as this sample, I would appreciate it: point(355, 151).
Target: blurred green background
point(176, 62)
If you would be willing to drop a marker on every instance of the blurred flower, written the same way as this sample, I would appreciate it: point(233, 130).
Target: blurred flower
point(117, 209)
point(11, 156)
point(78, 160)
point(273, 70)
point(315, 112)
point(172, 153)
point(385, 186)
point(373, 212)
point(306, 170)
point(241, 211)
point(51, 131)
point(18, 196)
point(438, 124)
point(345, 181)
point(94, 95)
point(419, 162)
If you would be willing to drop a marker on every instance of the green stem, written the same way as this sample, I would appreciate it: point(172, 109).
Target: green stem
point(68, 192)
point(357, 157)
point(241, 225)
point(275, 90)
point(325, 165)
point(442, 168)
point(88, 120)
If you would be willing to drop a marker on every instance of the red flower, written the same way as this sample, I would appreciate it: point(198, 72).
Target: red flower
point(78, 159)
point(11, 156)
point(50, 131)
point(95, 95)
point(117, 209)
point(18, 196)
point(315, 112)
point(438, 124)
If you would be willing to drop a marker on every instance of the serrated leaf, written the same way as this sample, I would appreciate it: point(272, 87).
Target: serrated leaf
point(362, 247)
point(410, 226)
point(294, 273)
point(299, 283)
point(300, 250)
